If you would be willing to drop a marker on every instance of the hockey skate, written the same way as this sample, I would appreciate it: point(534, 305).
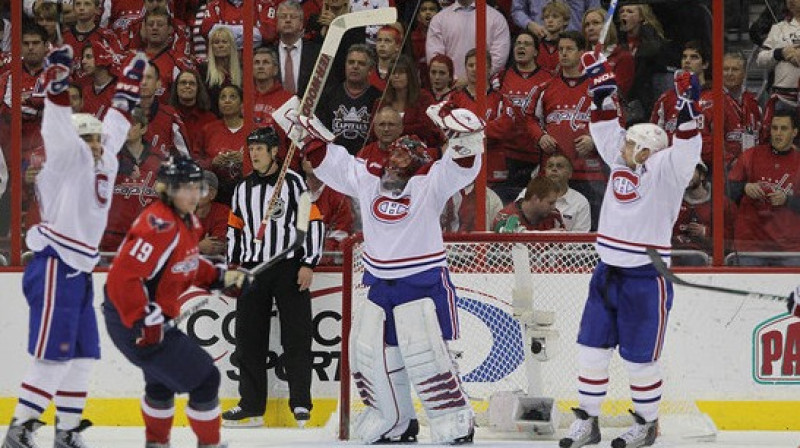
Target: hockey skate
point(20, 435)
point(409, 436)
point(237, 417)
point(71, 438)
point(642, 433)
point(301, 416)
point(585, 430)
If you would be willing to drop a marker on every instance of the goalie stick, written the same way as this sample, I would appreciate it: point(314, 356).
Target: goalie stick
point(322, 68)
point(303, 216)
point(662, 269)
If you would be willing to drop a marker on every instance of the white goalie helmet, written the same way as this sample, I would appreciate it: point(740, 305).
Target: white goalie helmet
point(87, 124)
point(647, 135)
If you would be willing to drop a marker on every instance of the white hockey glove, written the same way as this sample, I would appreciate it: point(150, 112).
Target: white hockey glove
point(151, 327)
point(300, 129)
point(463, 129)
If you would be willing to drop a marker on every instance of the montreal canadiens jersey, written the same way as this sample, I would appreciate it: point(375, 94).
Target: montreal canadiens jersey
point(75, 192)
point(640, 206)
point(401, 230)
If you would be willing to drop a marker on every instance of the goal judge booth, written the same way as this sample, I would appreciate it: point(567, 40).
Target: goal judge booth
point(629, 301)
point(399, 337)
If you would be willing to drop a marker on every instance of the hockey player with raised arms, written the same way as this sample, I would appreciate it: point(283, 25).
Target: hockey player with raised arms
point(399, 336)
point(75, 187)
point(629, 302)
point(156, 263)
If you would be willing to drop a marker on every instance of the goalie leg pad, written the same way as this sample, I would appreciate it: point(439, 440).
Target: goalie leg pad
point(432, 371)
point(373, 368)
point(593, 377)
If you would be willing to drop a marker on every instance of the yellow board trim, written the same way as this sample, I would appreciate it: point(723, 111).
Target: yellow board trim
point(728, 415)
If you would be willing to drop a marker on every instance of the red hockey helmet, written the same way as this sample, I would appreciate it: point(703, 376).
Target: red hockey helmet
point(415, 149)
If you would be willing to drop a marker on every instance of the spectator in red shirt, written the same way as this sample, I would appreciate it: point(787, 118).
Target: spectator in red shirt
point(556, 19)
point(536, 211)
point(223, 66)
point(76, 98)
point(425, 12)
point(337, 214)
point(213, 218)
point(221, 147)
point(165, 129)
point(101, 80)
point(159, 35)
point(743, 119)
point(619, 58)
point(440, 74)
point(86, 28)
point(190, 98)
point(404, 95)
point(387, 49)
point(269, 92)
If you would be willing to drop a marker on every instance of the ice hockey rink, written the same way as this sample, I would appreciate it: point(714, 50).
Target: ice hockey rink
point(182, 437)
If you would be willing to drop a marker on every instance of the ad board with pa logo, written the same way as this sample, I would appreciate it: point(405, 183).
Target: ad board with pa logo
point(776, 350)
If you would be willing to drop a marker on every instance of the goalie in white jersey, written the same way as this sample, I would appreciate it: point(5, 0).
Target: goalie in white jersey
point(75, 188)
point(629, 301)
point(399, 336)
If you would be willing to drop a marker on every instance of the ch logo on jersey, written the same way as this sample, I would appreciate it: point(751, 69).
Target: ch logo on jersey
point(625, 185)
point(102, 189)
point(158, 224)
point(390, 210)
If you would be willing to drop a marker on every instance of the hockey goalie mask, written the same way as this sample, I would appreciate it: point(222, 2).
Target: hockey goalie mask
point(406, 156)
point(645, 136)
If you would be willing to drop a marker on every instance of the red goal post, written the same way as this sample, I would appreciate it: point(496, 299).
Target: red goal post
point(492, 272)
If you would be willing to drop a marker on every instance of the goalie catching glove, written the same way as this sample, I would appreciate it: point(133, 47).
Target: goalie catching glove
point(57, 68)
point(463, 129)
point(126, 96)
point(687, 88)
point(602, 80)
point(308, 133)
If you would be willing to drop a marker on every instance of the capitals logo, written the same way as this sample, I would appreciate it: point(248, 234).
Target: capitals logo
point(390, 210)
point(351, 123)
point(626, 185)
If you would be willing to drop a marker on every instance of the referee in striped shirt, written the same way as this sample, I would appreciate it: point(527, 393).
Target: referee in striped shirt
point(286, 283)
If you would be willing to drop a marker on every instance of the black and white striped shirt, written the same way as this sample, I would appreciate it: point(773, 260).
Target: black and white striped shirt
point(248, 205)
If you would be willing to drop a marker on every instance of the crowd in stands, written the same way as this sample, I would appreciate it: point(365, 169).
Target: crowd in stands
point(544, 173)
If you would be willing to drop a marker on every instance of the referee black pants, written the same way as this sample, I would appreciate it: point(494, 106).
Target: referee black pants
point(253, 309)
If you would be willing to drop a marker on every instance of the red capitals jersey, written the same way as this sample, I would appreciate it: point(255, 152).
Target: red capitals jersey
point(499, 126)
point(511, 219)
point(77, 40)
point(32, 106)
point(700, 213)
point(196, 119)
point(170, 62)
point(223, 12)
point(123, 13)
point(548, 55)
point(158, 261)
point(97, 101)
point(166, 132)
point(761, 226)
point(742, 125)
point(666, 116)
point(521, 89)
point(562, 111)
point(265, 103)
point(215, 223)
point(133, 191)
point(337, 214)
point(132, 38)
point(216, 138)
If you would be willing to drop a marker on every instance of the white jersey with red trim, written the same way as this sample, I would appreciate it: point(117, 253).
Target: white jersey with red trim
point(640, 206)
point(75, 192)
point(402, 236)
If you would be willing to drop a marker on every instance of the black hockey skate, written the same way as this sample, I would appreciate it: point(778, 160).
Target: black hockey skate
point(642, 433)
point(71, 438)
point(466, 440)
point(20, 435)
point(585, 430)
point(408, 436)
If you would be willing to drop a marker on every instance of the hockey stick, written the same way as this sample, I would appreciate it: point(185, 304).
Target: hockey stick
point(185, 314)
point(322, 68)
point(662, 269)
point(303, 216)
point(612, 9)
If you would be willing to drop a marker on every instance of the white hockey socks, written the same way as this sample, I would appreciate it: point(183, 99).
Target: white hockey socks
point(593, 377)
point(70, 398)
point(432, 371)
point(38, 388)
point(646, 386)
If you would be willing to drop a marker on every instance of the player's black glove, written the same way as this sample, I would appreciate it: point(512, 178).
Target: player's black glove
point(602, 80)
point(687, 87)
point(151, 327)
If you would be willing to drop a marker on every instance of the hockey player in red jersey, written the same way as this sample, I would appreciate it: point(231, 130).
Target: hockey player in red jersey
point(157, 262)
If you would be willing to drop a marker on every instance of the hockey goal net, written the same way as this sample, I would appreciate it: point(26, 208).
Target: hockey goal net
point(489, 270)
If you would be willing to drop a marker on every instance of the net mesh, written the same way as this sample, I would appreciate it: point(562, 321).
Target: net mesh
point(491, 352)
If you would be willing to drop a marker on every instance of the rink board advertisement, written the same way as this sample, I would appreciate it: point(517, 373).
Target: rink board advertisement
point(739, 358)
